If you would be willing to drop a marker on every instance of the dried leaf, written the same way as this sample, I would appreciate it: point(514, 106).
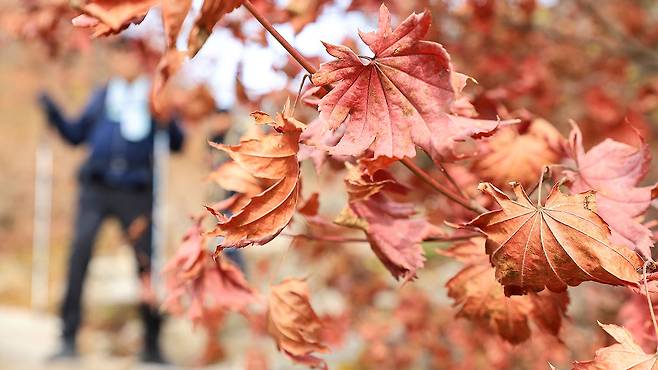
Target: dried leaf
point(613, 170)
point(208, 285)
point(173, 15)
point(113, 15)
point(311, 207)
point(212, 12)
point(520, 157)
point(481, 298)
point(626, 354)
point(293, 324)
point(397, 99)
point(558, 244)
point(169, 64)
point(393, 234)
point(271, 157)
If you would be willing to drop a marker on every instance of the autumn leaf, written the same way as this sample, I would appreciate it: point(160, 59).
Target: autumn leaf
point(314, 141)
point(112, 16)
point(361, 186)
point(625, 354)
point(558, 244)
point(613, 170)
point(397, 99)
point(293, 323)
point(169, 64)
point(481, 298)
point(393, 234)
point(304, 12)
point(201, 285)
point(173, 15)
point(311, 206)
point(272, 157)
point(212, 12)
point(520, 156)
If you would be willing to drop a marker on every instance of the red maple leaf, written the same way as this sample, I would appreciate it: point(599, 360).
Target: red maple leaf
point(397, 99)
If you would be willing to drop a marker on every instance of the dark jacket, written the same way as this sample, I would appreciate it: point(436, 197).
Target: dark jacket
point(113, 161)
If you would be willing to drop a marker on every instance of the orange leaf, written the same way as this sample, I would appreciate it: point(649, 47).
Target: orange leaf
point(201, 285)
point(113, 15)
point(296, 328)
point(558, 244)
point(520, 157)
point(481, 298)
point(212, 12)
point(625, 354)
point(173, 15)
point(270, 157)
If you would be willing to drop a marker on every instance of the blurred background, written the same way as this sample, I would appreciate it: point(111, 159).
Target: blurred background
point(595, 62)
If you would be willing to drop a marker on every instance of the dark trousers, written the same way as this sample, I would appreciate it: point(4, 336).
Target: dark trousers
point(133, 210)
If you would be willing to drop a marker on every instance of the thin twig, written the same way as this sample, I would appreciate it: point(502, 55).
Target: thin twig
point(286, 45)
point(335, 239)
point(445, 172)
point(326, 238)
point(429, 180)
point(299, 92)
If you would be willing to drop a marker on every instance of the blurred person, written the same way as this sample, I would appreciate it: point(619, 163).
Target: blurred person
point(116, 180)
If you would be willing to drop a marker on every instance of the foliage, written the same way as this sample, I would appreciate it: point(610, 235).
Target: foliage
point(581, 219)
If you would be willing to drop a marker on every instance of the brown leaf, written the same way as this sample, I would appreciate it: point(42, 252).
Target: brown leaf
point(168, 66)
point(558, 244)
point(271, 157)
point(211, 13)
point(360, 186)
point(394, 235)
point(113, 15)
point(520, 157)
point(626, 354)
point(481, 298)
point(311, 206)
point(293, 324)
point(173, 15)
point(201, 285)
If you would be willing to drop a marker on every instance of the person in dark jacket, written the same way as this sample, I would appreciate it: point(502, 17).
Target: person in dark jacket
point(116, 180)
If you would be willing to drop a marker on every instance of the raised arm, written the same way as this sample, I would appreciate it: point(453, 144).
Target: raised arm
point(74, 131)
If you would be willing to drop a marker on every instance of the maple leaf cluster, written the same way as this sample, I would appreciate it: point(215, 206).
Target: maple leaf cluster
point(528, 211)
point(379, 110)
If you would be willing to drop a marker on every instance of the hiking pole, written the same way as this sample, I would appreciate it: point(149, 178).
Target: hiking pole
point(43, 182)
point(159, 216)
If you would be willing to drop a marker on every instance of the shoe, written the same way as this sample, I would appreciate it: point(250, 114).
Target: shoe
point(66, 352)
point(153, 357)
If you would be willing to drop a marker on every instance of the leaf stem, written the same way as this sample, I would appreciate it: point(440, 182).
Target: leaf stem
point(306, 64)
point(646, 291)
point(299, 92)
point(445, 173)
point(429, 180)
point(540, 184)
